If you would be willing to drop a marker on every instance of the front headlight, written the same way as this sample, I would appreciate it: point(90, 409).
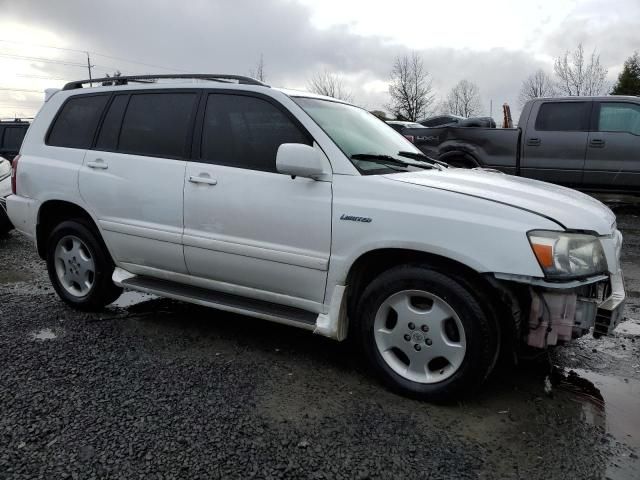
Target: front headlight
point(565, 255)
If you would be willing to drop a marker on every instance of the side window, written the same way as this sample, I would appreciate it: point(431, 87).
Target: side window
point(619, 117)
point(157, 124)
point(563, 117)
point(108, 136)
point(245, 132)
point(76, 124)
point(13, 138)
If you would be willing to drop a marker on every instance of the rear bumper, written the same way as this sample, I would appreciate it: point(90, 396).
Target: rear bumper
point(22, 212)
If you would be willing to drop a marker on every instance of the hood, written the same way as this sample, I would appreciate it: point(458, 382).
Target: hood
point(570, 208)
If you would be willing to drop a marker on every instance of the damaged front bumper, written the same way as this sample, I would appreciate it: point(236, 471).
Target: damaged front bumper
point(558, 313)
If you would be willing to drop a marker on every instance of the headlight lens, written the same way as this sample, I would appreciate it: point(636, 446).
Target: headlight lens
point(567, 255)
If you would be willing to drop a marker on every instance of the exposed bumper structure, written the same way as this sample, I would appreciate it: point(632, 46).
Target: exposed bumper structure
point(558, 316)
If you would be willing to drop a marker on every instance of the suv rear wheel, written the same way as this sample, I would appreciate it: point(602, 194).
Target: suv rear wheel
point(79, 266)
point(425, 333)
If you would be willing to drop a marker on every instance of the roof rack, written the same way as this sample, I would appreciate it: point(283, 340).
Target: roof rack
point(125, 79)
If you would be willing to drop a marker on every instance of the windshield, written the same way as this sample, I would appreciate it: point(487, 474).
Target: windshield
point(357, 132)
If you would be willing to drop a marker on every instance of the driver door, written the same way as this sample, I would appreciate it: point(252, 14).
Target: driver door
point(247, 227)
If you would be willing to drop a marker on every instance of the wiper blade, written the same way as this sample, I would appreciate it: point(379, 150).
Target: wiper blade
point(423, 157)
point(383, 159)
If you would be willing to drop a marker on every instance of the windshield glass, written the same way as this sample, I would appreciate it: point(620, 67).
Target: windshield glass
point(357, 132)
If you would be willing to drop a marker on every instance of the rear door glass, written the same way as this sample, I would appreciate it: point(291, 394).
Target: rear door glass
point(158, 124)
point(108, 137)
point(563, 117)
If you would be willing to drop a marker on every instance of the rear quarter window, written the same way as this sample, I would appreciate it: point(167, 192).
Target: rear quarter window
point(76, 123)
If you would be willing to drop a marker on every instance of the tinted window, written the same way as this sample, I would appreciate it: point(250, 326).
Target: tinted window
point(13, 138)
point(108, 137)
point(76, 124)
point(157, 124)
point(563, 117)
point(619, 117)
point(246, 132)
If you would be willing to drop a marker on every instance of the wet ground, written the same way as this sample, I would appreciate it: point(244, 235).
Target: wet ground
point(153, 388)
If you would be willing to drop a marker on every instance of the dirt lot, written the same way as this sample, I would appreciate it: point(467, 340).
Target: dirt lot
point(158, 389)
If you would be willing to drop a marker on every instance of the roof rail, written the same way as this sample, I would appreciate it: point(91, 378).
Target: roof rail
point(125, 79)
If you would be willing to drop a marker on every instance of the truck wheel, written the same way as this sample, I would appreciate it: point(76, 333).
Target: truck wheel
point(460, 162)
point(80, 267)
point(425, 334)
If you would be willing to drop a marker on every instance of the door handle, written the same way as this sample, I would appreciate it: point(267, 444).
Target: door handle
point(205, 180)
point(534, 142)
point(98, 164)
point(597, 143)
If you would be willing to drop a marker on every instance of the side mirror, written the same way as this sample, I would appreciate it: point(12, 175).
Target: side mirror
point(299, 160)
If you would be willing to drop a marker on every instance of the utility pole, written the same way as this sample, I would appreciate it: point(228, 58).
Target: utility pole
point(89, 67)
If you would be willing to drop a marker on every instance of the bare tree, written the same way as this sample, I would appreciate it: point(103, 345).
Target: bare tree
point(410, 88)
point(331, 85)
point(537, 85)
point(258, 72)
point(464, 99)
point(576, 76)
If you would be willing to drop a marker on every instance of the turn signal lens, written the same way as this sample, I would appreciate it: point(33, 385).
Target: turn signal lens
point(544, 254)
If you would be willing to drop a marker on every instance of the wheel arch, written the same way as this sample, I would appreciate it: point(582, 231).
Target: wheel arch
point(52, 213)
point(465, 157)
point(374, 262)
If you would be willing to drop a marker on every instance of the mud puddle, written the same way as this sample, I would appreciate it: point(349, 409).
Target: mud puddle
point(614, 404)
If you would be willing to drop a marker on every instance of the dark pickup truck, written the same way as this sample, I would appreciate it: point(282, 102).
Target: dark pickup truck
point(588, 143)
point(11, 134)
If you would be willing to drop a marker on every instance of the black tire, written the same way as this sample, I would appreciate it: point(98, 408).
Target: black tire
point(460, 162)
point(103, 290)
point(481, 331)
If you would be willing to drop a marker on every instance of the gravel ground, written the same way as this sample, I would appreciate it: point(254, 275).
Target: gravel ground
point(158, 389)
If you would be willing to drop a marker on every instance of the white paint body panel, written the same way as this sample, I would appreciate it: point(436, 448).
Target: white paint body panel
point(270, 237)
point(259, 229)
point(137, 202)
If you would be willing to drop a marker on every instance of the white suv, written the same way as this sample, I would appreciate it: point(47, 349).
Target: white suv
point(309, 211)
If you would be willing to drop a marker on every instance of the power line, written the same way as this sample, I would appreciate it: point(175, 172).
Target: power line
point(19, 90)
point(96, 54)
point(41, 77)
point(41, 59)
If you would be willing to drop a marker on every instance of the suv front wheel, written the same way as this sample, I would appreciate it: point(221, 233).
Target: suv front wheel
point(79, 267)
point(425, 333)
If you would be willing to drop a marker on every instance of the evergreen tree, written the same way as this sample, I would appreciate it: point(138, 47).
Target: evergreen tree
point(629, 78)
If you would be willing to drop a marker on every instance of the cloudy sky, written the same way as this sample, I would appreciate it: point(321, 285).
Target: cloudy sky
point(494, 43)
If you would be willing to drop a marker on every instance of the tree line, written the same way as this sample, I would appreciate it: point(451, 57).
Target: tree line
point(412, 97)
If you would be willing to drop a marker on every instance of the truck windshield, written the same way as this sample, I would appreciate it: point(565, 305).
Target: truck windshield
point(362, 137)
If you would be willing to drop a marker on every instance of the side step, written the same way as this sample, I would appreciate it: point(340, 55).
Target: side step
point(224, 301)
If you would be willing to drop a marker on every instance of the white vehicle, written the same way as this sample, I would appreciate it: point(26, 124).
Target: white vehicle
point(309, 211)
point(5, 191)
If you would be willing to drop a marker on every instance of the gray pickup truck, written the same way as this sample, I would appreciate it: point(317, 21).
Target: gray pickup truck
point(588, 143)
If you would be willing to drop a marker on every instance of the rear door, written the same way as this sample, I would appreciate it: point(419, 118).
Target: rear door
point(613, 152)
point(132, 179)
point(555, 140)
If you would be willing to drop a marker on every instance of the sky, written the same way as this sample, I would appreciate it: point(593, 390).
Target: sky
point(493, 43)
